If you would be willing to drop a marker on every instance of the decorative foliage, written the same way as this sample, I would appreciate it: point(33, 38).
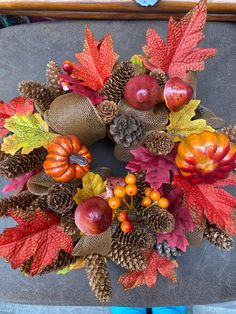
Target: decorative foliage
point(183, 221)
point(156, 264)
point(37, 234)
point(16, 105)
point(207, 199)
point(180, 54)
point(18, 184)
point(157, 167)
point(77, 265)
point(92, 185)
point(30, 131)
point(181, 125)
point(95, 62)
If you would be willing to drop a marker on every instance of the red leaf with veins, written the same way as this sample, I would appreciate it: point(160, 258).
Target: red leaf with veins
point(38, 235)
point(208, 199)
point(180, 54)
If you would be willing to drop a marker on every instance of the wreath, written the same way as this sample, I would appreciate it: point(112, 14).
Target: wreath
point(179, 156)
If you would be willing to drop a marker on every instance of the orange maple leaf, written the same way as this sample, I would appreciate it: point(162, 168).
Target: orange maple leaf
point(180, 54)
point(95, 62)
point(156, 263)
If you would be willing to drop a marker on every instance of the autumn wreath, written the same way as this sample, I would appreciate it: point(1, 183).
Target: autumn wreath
point(179, 156)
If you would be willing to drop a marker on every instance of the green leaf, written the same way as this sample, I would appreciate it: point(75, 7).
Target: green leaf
point(30, 132)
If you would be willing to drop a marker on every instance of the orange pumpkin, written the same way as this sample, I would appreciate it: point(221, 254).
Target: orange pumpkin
point(67, 159)
point(206, 157)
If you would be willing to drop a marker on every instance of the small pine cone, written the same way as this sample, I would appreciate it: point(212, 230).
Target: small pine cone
point(218, 237)
point(52, 75)
point(114, 88)
point(107, 111)
point(164, 249)
point(160, 76)
point(159, 143)
point(127, 130)
point(3, 155)
point(40, 202)
point(230, 131)
point(39, 92)
point(19, 164)
point(141, 185)
point(22, 201)
point(98, 277)
point(138, 237)
point(127, 256)
point(60, 198)
point(159, 220)
point(68, 224)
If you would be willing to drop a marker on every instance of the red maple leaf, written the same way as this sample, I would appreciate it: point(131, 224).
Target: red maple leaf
point(180, 54)
point(38, 235)
point(157, 167)
point(183, 221)
point(17, 105)
point(207, 199)
point(155, 264)
point(95, 62)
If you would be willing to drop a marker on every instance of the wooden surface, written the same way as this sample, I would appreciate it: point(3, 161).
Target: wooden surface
point(117, 9)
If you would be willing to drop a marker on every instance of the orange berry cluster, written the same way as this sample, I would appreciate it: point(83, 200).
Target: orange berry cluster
point(154, 196)
point(119, 194)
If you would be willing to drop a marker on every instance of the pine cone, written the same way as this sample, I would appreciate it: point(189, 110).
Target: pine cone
point(138, 238)
point(141, 185)
point(127, 256)
point(230, 131)
point(69, 226)
point(60, 197)
point(160, 76)
point(19, 164)
point(164, 249)
point(127, 130)
point(159, 220)
point(52, 75)
point(218, 237)
point(40, 202)
point(39, 92)
point(199, 111)
point(22, 200)
point(114, 88)
point(107, 111)
point(3, 155)
point(159, 143)
point(98, 277)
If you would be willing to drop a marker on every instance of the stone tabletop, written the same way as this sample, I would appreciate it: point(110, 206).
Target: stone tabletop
point(205, 274)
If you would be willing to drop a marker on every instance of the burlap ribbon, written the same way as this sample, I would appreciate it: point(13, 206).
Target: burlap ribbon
point(195, 238)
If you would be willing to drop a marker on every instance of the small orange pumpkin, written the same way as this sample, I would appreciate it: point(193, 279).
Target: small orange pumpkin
point(206, 157)
point(67, 159)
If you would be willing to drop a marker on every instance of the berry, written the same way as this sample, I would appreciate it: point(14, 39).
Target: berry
point(155, 195)
point(146, 201)
point(126, 226)
point(119, 191)
point(114, 202)
point(131, 189)
point(130, 179)
point(67, 66)
point(148, 191)
point(163, 202)
point(122, 216)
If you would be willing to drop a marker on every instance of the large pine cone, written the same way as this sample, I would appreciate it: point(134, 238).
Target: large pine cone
point(218, 237)
point(127, 130)
point(52, 75)
point(98, 277)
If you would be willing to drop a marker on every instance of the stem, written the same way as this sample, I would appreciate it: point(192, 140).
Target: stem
point(78, 159)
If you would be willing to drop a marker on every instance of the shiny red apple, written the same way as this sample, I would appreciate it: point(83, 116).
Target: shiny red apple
point(177, 93)
point(93, 216)
point(142, 92)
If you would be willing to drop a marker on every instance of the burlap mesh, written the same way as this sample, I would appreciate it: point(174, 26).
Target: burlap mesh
point(75, 114)
point(88, 244)
point(195, 238)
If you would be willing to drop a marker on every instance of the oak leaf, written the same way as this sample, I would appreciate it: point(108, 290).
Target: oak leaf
point(37, 235)
point(181, 125)
point(179, 54)
point(30, 132)
point(95, 62)
point(208, 199)
point(155, 264)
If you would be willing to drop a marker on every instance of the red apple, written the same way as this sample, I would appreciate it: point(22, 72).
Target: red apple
point(93, 215)
point(177, 93)
point(142, 92)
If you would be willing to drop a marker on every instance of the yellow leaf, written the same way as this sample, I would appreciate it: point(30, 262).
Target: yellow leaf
point(92, 185)
point(181, 125)
point(138, 63)
point(30, 132)
point(78, 264)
